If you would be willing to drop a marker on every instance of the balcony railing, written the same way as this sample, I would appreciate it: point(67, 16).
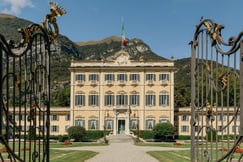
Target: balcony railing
point(150, 82)
point(80, 82)
point(93, 82)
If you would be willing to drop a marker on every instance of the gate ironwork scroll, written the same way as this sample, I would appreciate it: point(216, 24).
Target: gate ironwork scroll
point(216, 95)
point(25, 91)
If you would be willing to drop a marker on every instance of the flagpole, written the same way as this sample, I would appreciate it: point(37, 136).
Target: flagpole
point(123, 42)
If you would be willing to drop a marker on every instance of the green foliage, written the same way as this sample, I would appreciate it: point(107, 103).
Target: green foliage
point(184, 137)
point(63, 138)
point(182, 95)
point(92, 135)
point(163, 130)
point(146, 134)
point(76, 132)
point(61, 97)
point(212, 135)
point(31, 133)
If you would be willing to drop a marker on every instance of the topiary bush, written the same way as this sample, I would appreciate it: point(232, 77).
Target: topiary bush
point(146, 134)
point(76, 132)
point(164, 131)
point(93, 135)
point(211, 135)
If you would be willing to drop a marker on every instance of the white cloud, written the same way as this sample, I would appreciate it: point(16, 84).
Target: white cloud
point(15, 6)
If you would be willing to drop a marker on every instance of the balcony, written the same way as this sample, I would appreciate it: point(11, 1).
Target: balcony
point(109, 82)
point(134, 82)
point(150, 82)
point(164, 82)
point(121, 82)
point(80, 82)
point(93, 82)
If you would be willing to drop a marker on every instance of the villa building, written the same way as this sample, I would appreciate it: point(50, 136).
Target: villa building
point(121, 94)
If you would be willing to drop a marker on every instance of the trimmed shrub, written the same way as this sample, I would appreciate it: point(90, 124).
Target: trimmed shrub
point(76, 132)
point(164, 131)
point(146, 134)
point(63, 138)
point(184, 137)
point(93, 135)
point(211, 135)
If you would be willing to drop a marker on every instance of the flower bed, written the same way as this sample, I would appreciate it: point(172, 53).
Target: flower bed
point(67, 143)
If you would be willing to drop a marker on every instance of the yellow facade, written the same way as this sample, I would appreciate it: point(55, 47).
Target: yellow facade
point(121, 94)
point(183, 121)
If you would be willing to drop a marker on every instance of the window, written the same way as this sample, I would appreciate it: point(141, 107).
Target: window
point(121, 100)
point(121, 77)
point(164, 77)
point(197, 128)
point(93, 124)
point(93, 100)
point(221, 117)
point(133, 124)
point(41, 128)
point(235, 129)
point(184, 128)
point(238, 117)
point(198, 117)
point(185, 118)
point(79, 122)
point(79, 100)
point(175, 118)
point(93, 77)
point(66, 127)
point(55, 117)
point(150, 77)
point(67, 117)
point(221, 128)
point(42, 117)
point(150, 99)
point(134, 100)
point(54, 128)
point(163, 121)
point(80, 77)
point(109, 124)
point(150, 123)
point(134, 77)
point(109, 100)
point(164, 99)
point(109, 77)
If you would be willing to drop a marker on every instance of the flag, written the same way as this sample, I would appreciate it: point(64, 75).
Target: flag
point(124, 43)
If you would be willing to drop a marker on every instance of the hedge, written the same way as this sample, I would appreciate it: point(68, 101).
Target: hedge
point(93, 135)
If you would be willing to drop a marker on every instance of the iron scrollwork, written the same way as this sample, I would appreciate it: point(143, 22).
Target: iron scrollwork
point(216, 83)
point(25, 91)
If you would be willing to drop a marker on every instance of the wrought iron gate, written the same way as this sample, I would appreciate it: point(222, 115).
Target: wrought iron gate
point(216, 95)
point(25, 91)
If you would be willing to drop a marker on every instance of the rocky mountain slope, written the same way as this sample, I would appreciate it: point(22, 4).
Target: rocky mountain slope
point(91, 50)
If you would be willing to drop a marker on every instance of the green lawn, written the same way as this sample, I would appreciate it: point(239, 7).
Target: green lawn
point(171, 156)
point(72, 156)
point(80, 156)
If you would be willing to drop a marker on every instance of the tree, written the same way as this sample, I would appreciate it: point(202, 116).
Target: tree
point(76, 132)
point(164, 130)
point(61, 97)
point(182, 95)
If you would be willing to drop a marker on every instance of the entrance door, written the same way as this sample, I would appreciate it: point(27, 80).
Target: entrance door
point(121, 126)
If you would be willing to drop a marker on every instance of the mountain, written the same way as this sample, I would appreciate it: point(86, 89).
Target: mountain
point(91, 50)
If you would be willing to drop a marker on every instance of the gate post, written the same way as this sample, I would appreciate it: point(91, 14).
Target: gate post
point(241, 88)
point(193, 66)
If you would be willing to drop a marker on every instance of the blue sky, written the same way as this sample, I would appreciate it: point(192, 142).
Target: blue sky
point(167, 26)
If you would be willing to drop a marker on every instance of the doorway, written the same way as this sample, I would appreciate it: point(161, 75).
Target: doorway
point(121, 126)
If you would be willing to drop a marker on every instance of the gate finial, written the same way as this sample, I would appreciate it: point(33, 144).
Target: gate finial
point(56, 10)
